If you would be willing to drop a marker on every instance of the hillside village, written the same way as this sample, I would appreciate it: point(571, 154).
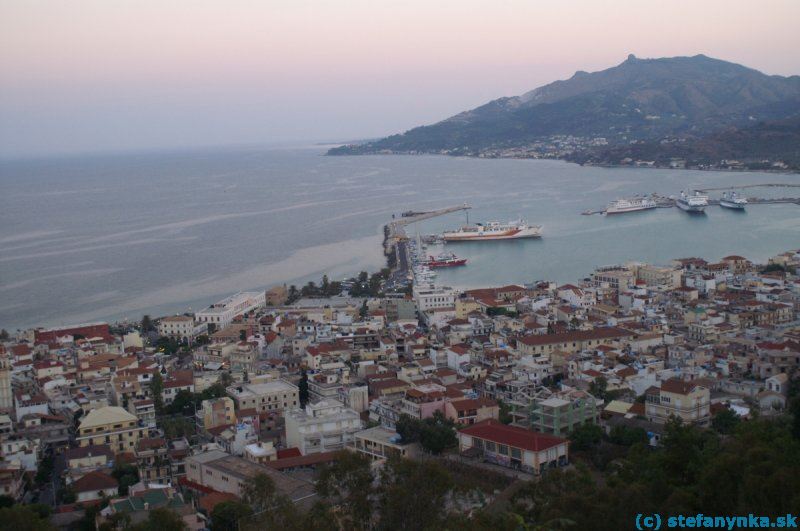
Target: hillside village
point(106, 423)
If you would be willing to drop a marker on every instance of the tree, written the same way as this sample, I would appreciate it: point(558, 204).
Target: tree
point(161, 519)
point(126, 475)
point(586, 437)
point(725, 422)
point(225, 379)
point(505, 412)
point(4, 336)
point(260, 492)
point(44, 470)
point(303, 388)
point(598, 387)
point(438, 434)
point(242, 335)
point(147, 324)
point(347, 482)
point(23, 518)
point(364, 310)
point(412, 494)
point(226, 515)
point(156, 389)
point(326, 285)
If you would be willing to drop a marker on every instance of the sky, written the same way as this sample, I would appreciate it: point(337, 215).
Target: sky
point(106, 75)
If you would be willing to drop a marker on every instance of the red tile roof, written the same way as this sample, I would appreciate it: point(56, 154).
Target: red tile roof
point(492, 430)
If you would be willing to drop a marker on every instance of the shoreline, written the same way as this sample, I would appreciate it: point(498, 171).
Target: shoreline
point(561, 159)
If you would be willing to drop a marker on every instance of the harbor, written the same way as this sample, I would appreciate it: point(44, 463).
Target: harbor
point(661, 201)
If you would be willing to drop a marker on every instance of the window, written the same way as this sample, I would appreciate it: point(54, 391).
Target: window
point(491, 447)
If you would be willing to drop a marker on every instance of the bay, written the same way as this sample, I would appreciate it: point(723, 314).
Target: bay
point(89, 238)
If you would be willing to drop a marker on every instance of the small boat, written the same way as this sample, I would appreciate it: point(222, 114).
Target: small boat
point(445, 260)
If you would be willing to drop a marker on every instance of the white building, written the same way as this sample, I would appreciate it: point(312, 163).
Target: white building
point(433, 298)
point(322, 427)
point(278, 395)
point(222, 313)
point(177, 326)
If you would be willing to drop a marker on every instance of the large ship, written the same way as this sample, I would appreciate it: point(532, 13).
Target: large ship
point(633, 204)
point(696, 203)
point(732, 201)
point(445, 260)
point(493, 230)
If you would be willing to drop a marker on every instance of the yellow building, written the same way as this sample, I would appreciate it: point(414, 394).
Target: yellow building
point(110, 425)
point(216, 412)
point(687, 401)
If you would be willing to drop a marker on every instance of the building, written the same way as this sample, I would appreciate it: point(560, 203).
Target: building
point(222, 472)
point(434, 298)
point(676, 398)
point(468, 411)
point(216, 412)
point(152, 460)
point(263, 397)
point(380, 443)
point(178, 326)
point(112, 426)
point(6, 394)
point(513, 447)
point(321, 427)
point(260, 452)
point(94, 486)
point(571, 342)
point(221, 314)
point(659, 277)
point(559, 415)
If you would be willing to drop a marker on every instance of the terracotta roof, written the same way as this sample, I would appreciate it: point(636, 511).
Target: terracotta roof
point(94, 481)
point(581, 335)
point(303, 460)
point(499, 433)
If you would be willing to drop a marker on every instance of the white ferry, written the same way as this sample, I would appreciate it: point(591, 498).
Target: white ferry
point(732, 201)
point(493, 230)
point(696, 203)
point(633, 204)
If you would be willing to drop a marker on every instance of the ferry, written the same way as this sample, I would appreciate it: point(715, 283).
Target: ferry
point(634, 204)
point(732, 201)
point(445, 260)
point(695, 204)
point(493, 230)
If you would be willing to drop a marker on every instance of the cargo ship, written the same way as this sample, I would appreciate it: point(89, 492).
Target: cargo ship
point(493, 230)
point(445, 260)
point(633, 204)
point(732, 201)
point(694, 204)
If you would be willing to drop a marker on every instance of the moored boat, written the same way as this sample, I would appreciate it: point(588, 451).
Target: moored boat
point(732, 201)
point(694, 204)
point(493, 230)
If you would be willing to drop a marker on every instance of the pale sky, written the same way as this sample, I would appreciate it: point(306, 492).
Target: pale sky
point(98, 75)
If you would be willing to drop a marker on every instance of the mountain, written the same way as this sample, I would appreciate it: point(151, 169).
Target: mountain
point(639, 100)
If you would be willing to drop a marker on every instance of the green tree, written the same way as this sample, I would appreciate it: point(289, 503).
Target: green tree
point(242, 335)
point(598, 387)
point(438, 434)
point(505, 412)
point(156, 389)
point(23, 518)
point(147, 324)
point(725, 421)
point(412, 494)
point(226, 515)
point(4, 336)
point(126, 475)
point(161, 519)
point(364, 310)
point(347, 483)
point(586, 437)
point(303, 388)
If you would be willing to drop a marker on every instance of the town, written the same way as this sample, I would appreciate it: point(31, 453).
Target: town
point(347, 405)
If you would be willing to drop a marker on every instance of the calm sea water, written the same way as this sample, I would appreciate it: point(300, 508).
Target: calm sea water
point(113, 237)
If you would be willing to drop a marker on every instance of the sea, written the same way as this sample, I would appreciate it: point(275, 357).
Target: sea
point(112, 237)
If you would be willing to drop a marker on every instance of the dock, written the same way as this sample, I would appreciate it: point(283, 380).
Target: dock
point(396, 238)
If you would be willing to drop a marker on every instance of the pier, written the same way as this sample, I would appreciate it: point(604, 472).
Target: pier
point(395, 240)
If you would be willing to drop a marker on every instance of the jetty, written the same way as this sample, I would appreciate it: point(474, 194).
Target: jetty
point(395, 240)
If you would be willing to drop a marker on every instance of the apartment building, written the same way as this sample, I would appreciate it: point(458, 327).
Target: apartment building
point(273, 396)
point(112, 426)
point(676, 398)
point(321, 427)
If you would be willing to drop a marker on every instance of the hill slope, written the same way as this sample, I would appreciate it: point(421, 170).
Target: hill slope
point(638, 100)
